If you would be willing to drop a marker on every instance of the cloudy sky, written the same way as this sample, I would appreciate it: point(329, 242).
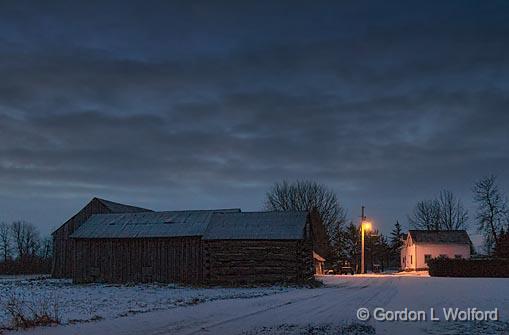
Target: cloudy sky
point(178, 105)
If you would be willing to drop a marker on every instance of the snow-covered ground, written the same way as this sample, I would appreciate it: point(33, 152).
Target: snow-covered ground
point(328, 310)
point(81, 303)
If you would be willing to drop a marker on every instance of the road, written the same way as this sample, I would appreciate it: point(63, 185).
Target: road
point(326, 309)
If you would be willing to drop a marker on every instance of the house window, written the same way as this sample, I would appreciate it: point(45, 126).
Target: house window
point(427, 258)
point(411, 259)
point(458, 256)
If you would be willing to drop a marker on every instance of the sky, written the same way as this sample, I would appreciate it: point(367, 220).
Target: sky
point(198, 104)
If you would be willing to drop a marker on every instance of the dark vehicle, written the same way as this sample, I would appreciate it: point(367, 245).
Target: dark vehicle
point(329, 272)
point(346, 270)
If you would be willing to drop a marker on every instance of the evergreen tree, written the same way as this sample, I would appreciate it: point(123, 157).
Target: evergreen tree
point(377, 250)
point(396, 236)
point(395, 244)
point(351, 245)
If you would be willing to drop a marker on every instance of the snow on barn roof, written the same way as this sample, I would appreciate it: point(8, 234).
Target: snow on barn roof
point(147, 224)
point(211, 224)
point(257, 226)
point(440, 236)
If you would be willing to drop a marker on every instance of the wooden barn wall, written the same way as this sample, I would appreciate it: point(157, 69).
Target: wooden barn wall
point(162, 260)
point(258, 261)
point(319, 235)
point(63, 246)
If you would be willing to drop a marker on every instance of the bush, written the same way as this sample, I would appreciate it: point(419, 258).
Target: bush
point(502, 246)
point(445, 267)
point(27, 314)
point(31, 266)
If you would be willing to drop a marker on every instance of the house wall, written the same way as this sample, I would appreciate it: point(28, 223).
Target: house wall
point(258, 261)
point(435, 250)
point(408, 258)
point(318, 267)
point(413, 256)
point(63, 246)
point(162, 260)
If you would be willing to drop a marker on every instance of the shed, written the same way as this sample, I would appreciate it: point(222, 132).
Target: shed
point(319, 263)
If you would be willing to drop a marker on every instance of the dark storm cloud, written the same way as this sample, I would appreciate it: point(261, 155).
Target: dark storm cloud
point(201, 106)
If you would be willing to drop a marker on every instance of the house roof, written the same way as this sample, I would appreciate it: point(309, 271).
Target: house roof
point(147, 224)
point(257, 226)
point(116, 207)
point(440, 236)
point(214, 224)
point(318, 257)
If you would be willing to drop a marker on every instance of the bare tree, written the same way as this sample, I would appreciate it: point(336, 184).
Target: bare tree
point(5, 241)
point(46, 250)
point(452, 214)
point(32, 240)
point(444, 213)
point(26, 238)
point(305, 195)
point(426, 215)
point(18, 234)
point(492, 210)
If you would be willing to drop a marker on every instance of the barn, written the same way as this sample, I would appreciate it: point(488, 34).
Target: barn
point(221, 246)
point(63, 245)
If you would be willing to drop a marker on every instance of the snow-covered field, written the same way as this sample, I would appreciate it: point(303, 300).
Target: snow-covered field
point(328, 310)
point(82, 303)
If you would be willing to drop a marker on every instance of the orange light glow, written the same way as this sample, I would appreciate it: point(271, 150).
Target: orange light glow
point(366, 226)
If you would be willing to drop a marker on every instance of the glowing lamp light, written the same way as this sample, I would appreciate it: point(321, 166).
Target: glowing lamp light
point(366, 226)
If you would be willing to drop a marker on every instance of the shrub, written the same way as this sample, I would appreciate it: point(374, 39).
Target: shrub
point(502, 246)
point(445, 267)
point(25, 314)
point(27, 266)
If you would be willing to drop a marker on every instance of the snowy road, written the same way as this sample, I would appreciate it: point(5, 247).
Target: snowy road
point(322, 310)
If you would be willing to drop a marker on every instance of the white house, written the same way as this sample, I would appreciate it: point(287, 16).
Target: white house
point(422, 245)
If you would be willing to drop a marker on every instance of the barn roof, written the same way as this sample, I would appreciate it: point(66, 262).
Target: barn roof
point(257, 226)
point(116, 207)
point(214, 224)
point(147, 224)
point(112, 207)
point(440, 236)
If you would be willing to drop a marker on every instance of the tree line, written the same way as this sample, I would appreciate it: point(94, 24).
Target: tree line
point(23, 250)
point(445, 212)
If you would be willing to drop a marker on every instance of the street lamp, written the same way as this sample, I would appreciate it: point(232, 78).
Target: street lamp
point(365, 226)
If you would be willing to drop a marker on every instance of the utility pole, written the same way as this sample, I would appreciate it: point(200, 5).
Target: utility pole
point(365, 226)
point(363, 218)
